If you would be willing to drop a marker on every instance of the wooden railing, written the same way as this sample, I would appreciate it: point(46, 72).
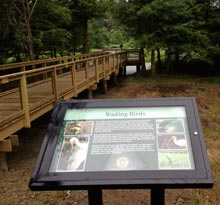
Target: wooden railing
point(23, 66)
point(32, 98)
point(30, 89)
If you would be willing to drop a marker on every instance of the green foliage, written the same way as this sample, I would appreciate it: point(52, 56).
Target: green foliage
point(98, 36)
point(185, 29)
point(83, 11)
point(50, 23)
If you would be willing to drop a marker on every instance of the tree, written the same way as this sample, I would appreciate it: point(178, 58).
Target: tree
point(25, 9)
point(82, 12)
point(173, 26)
point(98, 35)
point(32, 26)
point(5, 14)
point(50, 24)
point(212, 23)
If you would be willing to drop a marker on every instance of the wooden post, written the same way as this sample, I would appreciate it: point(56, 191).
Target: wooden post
point(110, 63)
point(90, 89)
point(45, 74)
point(138, 69)
point(3, 162)
point(87, 73)
point(90, 96)
point(14, 140)
point(103, 65)
point(125, 71)
point(109, 66)
point(5, 146)
point(120, 74)
point(74, 79)
point(24, 101)
point(114, 63)
point(54, 83)
point(105, 86)
point(97, 70)
point(114, 79)
point(117, 61)
point(23, 68)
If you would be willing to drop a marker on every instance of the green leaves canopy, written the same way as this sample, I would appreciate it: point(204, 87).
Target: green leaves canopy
point(177, 25)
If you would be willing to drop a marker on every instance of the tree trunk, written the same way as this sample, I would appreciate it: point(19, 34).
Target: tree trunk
point(85, 37)
point(55, 52)
point(51, 53)
point(153, 68)
point(4, 26)
point(158, 58)
point(143, 67)
point(29, 40)
point(177, 57)
point(169, 64)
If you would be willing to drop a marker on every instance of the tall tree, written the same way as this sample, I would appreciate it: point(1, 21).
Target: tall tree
point(171, 25)
point(25, 9)
point(50, 24)
point(98, 35)
point(82, 12)
point(211, 11)
point(5, 15)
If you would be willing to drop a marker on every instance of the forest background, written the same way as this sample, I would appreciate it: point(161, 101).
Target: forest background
point(175, 33)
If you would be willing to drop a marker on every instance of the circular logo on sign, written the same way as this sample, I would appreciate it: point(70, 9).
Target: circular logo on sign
point(122, 162)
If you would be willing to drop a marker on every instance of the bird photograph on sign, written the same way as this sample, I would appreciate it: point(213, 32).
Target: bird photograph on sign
point(75, 146)
point(73, 154)
point(172, 142)
point(170, 126)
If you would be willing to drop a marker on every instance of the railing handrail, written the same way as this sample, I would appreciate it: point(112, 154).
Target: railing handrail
point(18, 75)
point(36, 70)
point(23, 86)
point(46, 60)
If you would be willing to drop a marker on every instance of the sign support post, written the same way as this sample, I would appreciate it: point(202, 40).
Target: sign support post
point(157, 196)
point(95, 196)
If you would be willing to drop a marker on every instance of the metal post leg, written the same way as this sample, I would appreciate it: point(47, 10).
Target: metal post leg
point(157, 196)
point(95, 196)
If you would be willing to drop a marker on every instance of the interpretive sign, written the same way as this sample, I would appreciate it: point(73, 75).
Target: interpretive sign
point(120, 142)
point(103, 139)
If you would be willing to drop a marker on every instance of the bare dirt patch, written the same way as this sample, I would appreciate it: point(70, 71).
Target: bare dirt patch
point(14, 184)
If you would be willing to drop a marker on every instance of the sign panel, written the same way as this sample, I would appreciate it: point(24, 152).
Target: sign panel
point(113, 143)
point(103, 139)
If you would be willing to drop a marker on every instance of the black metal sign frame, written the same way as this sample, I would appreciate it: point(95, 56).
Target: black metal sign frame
point(198, 176)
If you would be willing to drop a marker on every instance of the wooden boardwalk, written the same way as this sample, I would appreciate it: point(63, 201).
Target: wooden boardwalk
point(37, 90)
point(32, 89)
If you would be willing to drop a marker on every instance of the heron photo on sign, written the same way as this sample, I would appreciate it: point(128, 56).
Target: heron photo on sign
point(75, 146)
point(172, 142)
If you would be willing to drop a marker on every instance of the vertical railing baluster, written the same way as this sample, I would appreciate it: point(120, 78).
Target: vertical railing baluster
point(104, 68)
point(87, 73)
point(97, 70)
point(109, 64)
point(24, 101)
point(74, 79)
point(54, 83)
